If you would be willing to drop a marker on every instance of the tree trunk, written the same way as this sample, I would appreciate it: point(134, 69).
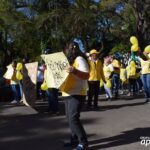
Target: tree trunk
point(142, 10)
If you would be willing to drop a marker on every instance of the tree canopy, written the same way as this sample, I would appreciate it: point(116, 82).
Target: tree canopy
point(27, 27)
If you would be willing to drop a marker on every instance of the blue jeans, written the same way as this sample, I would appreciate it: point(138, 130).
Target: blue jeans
point(52, 94)
point(108, 92)
point(146, 84)
point(16, 92)
point(115, 84)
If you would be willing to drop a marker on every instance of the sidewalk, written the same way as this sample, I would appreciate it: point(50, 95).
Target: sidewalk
point(116, 125)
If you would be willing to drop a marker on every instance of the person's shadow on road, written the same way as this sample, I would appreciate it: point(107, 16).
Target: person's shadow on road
point(126, 137)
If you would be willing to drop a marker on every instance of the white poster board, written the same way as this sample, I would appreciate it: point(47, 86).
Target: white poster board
point(56, 64)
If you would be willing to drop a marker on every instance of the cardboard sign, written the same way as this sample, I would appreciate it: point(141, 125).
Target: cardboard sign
point(9, 73)
point(56, 64)
point(29, 83)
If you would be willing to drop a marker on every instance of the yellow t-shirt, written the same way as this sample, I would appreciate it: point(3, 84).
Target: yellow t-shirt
point(145, 66)
point(74, 85)
point(116, 65)
point(96, 70)
point(131, 72)
point(122, 75)
point(14, 79)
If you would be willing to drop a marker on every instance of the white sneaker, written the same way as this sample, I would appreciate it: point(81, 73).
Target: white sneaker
point(14, 102)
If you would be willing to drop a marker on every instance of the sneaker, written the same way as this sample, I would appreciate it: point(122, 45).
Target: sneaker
point(14, 102)
point(129, 94)
point(81, 147)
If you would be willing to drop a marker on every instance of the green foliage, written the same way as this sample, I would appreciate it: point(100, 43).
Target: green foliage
point(123, 48)
point(28, 27)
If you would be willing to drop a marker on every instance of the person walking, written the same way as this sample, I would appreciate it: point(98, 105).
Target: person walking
point(14, 82)
point(145, 71)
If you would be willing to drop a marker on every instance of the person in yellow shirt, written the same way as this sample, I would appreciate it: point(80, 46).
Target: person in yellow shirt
point(14, 82)
point(145, 66)
point(74, 93)
point(108, 73)
point(132, 76)
point(96, 73)
point(123, 78)
point(52, 95)
point(116, 76)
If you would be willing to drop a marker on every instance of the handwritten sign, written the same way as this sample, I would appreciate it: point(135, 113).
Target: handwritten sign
point(56, 64)
point(29, 83)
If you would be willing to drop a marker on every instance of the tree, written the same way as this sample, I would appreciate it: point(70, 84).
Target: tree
point(81, 20)
point(142, 13)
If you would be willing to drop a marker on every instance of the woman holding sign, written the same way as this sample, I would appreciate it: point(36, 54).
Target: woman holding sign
point(74, 92)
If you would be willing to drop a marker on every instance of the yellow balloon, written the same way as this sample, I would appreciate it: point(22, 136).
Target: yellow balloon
point(19, 66)
point(134, 48)
point(108, 84)
point(147, 49)
point(133, 40)
point(132, 63)
point(44, 86)
point(19, 75)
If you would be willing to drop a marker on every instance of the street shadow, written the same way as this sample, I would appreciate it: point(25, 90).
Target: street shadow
point(110, 107)
point(42, 107)
point(38, 131)
point(126, 137)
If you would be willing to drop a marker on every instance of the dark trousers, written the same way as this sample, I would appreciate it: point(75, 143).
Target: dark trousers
point(73, 108)
point(52, 94)
point(115, 84)
point(93, 92)
point(132, 86)
point(40, 93)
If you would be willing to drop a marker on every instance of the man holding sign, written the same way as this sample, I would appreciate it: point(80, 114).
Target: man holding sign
point(54, 76)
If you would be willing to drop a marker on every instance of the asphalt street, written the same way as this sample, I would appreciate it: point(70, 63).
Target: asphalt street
point(122, 124)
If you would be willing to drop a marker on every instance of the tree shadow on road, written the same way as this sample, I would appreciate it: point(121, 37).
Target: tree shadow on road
point(117, 106)
point(110, 107)
point(126, 137)
point(35, 131)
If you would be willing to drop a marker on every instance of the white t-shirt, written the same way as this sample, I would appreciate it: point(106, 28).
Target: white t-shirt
point(108, 69)
point(73, 84)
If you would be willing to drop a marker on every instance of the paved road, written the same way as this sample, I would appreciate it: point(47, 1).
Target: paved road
point(116, 125)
